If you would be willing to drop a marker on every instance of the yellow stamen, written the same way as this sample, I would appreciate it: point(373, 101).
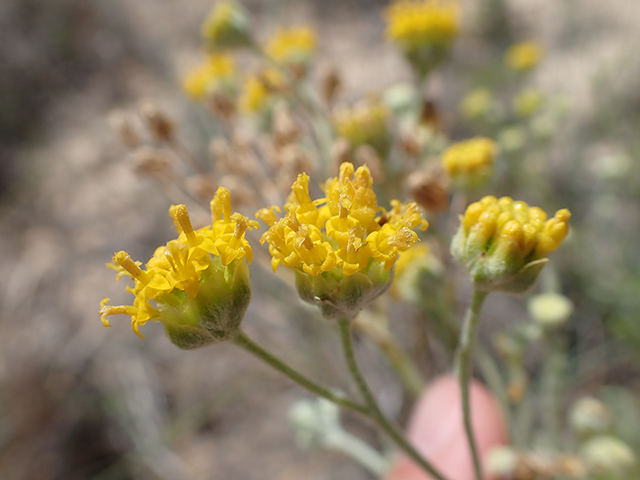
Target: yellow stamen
point(182, 222)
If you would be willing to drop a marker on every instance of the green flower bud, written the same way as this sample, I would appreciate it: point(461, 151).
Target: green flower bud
point(215, 314)
point(503, 462)
point(315, 421)
point(504, 243)
point(197, 285)
point(527, 102)
point(589, 416)
point(550, 310)
point(340, 296)
point(227, 27)
point(606, 454)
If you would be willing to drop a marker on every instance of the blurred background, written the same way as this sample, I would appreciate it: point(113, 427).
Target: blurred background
point(78, 401)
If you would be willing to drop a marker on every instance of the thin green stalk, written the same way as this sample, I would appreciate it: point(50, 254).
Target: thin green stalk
point(250, 346)
point(374, 411)
point(463, 369)
point(552, 377)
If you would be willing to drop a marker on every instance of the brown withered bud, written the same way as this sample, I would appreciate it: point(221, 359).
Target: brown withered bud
point(330, 84)
point(341, 152)
point(202, 186)
point(285, 130)
point(570, 466)
point(430, 189)
point(367, 155)
point(151, 161)
point(430, 116)
point(410, 144)
point(532, 466)
point(222, 105)
point(160, 126)
point(121, 123)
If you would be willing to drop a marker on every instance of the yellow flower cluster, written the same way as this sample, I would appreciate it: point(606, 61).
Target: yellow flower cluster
point(179, 265)
point(227, 26)
point(473, 157)
point(293, 45)
point(258, 90)
point(514, 227)
point(365, 123)
point(523, 56)
point(342, 231)
point(416, 23)
point(202, 80)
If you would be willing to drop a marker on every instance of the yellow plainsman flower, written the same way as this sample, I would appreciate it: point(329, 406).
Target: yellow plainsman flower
point(227, 26)
point(196, 285)
point(523, 56)
point(469, 162)
point(216, 71)
point(423, 29)
point(504, 243)
point(341, 247)
point(366, 123)
point(293, 47)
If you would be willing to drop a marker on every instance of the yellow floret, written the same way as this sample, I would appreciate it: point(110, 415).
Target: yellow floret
point(340, 231)
point(179, 265)
point(514, 226)
point(293, 45)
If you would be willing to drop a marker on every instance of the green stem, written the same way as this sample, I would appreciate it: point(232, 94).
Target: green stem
point(374, 411)
point(463, 366)
point(552, 376)
point(250, 346)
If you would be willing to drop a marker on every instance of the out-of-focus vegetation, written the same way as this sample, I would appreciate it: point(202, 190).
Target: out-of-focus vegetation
point(80, 402)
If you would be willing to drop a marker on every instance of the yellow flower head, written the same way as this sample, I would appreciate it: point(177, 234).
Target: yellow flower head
point(293, 46)
point(523, 56)
point(227, 26)
point(365, 124)
point(414, 24)
point(469, 161)
point(217, 70)
point(187, 279)
point(259, 90)
point(504, 243)
point(343, 235)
